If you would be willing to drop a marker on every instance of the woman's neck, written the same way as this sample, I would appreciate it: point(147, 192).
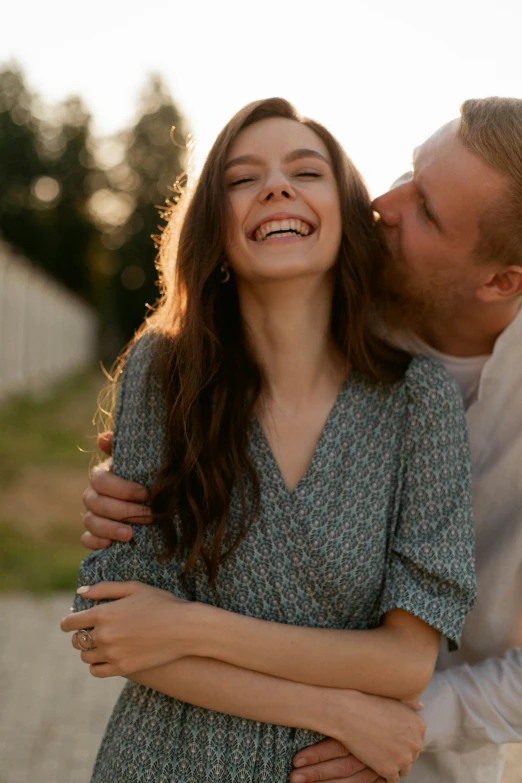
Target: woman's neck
point(289, 329)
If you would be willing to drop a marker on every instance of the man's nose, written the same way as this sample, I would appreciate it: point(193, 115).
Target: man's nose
point(388, 206)
point(277, 187)
point(391, 204)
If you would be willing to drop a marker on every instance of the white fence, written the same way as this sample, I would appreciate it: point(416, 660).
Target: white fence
point(46, 332)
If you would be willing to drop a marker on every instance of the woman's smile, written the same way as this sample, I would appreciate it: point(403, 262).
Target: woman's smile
point(282, 226)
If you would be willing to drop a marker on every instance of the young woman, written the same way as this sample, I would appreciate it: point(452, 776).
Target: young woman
point(311, 485)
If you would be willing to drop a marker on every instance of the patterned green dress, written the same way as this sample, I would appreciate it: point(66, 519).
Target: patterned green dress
point(381, 519)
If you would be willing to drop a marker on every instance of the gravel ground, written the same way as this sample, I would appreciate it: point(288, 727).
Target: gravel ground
point(52, 714)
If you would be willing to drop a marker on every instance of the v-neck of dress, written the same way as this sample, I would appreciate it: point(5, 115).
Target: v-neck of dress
point(322, 437)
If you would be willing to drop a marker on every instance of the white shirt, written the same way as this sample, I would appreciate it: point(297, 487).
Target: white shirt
point(474, 701)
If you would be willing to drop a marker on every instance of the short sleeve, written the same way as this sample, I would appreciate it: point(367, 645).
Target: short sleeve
point(431, 567)
point(138, 451)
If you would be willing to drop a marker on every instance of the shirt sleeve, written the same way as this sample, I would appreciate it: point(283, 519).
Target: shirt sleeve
point(431, 567)
point(469, 706)
point(138, 450)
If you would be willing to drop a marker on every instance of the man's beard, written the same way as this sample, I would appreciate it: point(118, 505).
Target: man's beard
point(403, 304)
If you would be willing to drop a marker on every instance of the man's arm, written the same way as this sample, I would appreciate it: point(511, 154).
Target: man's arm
point(464, 707)
point(111, 503)
point(479, 704)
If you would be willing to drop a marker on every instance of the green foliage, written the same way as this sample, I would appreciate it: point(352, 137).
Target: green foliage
point(44, 165)
point(86, 220)
point(39, 564)
point(42, 474)
point(49, 430)
point(153, 163)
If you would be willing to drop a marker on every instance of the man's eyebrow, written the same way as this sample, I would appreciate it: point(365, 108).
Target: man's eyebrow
point(289, 158)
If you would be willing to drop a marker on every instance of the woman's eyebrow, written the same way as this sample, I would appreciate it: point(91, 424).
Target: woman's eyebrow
point(304, 153)
point(289, 158)
point(253, 159)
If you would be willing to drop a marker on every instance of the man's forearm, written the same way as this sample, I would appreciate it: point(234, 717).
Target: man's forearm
point(221, 687)
point(479, 704)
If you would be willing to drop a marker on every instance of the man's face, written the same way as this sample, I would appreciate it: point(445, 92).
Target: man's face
point(431, 223)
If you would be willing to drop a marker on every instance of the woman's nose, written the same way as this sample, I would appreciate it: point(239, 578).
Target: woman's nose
point(277, 187)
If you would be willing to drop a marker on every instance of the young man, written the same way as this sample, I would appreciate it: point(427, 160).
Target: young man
point(453, 289)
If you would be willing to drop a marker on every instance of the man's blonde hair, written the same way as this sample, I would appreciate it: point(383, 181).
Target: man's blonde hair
point(492, 128)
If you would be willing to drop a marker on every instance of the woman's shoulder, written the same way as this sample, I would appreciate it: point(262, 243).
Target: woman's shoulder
point(140, 356)
point(428, 382)
point(140, 418)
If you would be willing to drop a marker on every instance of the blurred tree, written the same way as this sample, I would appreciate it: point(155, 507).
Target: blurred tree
point(142, 179)
point(44, 166)
point(69, 163)
point(20, 163)
point(86, 209)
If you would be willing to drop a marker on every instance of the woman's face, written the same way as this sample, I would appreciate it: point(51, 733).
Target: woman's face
point(284, 219)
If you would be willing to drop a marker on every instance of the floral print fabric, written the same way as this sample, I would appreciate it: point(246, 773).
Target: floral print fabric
point(382, 519)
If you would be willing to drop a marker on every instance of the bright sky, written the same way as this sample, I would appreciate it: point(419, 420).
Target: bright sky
point(381, 74)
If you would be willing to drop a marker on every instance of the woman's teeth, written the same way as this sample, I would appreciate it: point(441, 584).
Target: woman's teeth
point(282, 228)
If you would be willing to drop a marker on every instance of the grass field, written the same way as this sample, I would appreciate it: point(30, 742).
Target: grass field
point(46, 446)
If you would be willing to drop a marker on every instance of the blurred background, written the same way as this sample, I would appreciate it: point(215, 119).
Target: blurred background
point(88, 100)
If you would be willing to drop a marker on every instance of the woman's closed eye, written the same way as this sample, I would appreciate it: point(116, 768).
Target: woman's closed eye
point(310, 174)
point(240, 181)
point(246, 179)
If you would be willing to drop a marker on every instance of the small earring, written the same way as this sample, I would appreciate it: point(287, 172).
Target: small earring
point(225, 273)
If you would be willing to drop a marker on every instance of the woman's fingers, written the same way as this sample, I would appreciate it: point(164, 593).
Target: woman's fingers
point(93, 657)
point(102, 670)
point(106, 590)
point(89, 618)
point(77, 621)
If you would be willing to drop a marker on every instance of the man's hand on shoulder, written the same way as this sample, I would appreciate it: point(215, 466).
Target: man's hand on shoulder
point(111, 501)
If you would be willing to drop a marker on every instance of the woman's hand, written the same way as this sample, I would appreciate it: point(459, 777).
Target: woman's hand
point(386, 735)
point(110, 501)
point(142, 627)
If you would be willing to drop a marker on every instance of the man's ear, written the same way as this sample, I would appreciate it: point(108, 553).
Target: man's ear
point(503, 284)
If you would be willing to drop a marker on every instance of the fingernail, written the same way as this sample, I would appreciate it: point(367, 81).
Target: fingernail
point(82, 590)
point(298, 778)
point(124, 533)
point(300, 762)
point(421, 705)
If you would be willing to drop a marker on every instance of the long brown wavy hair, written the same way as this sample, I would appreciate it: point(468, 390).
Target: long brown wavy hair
point(209, 375)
